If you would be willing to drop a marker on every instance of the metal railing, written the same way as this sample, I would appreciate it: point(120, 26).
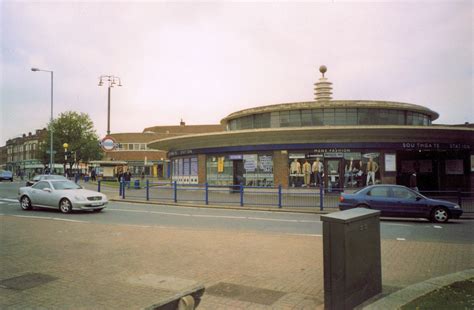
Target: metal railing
point(321, 198)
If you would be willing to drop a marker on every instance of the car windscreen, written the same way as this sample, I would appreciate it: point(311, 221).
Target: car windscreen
point(60, 185)
point(54, 177)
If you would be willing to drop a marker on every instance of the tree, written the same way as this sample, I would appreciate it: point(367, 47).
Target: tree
point(77, 130)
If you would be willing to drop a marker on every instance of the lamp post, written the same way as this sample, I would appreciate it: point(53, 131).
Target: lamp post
point(65, 146)
point(51, 158)
point(112, 81)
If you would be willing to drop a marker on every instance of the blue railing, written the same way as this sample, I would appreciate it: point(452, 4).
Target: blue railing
point(239, 195)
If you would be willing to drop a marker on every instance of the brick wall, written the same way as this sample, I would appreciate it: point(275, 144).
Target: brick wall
point(280, 168)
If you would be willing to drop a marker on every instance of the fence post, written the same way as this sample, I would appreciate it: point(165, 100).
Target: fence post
point(321, 196)
point(147, 189)
point(279, 195)
point(175, 190)
point(120, 188)
point(207, 193)
point(98, 186)
point(459, 197)
point(123, 190)
point(241, 195)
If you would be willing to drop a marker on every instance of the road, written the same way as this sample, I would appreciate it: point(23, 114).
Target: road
point(124, 213)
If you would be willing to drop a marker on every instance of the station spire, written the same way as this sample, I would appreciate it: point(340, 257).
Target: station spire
point(323, 88)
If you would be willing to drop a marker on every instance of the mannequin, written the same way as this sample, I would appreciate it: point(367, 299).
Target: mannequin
point(349, 172)
point(307, 173)
point(317, 169)
point(372, 168)
point(295, 167)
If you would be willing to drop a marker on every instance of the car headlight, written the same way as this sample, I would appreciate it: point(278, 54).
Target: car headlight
point(457, 207)
point(80, 198)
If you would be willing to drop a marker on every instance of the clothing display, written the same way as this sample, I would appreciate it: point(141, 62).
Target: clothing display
point(295, 167)
point(307, 173)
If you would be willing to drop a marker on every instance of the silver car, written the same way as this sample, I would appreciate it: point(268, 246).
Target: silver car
point(60, 194)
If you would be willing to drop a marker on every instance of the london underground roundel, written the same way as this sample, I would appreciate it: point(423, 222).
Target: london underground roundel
point(108, 144)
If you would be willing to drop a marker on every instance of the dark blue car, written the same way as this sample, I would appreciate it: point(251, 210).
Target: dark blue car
point(400, 201)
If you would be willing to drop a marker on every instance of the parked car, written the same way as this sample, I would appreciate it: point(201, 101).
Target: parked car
point(400, 201)
point(60, 194)
point(6, 175)
point(40, 177)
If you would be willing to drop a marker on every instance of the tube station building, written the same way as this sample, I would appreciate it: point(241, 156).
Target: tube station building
point(342, 143)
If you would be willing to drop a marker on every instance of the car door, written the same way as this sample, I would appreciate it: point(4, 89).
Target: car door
point(39, 196)
point(379, 198)
point(412, 204)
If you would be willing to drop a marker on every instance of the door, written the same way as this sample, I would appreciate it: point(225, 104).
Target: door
point(38, 195)
point(333, 173)
point(412, 205)
point(238, 172)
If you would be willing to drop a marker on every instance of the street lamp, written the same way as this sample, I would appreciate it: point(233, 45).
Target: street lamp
point(65, 146)
point(112, 81)
point(51, 160)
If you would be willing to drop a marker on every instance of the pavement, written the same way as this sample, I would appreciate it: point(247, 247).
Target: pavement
point(51, 264)
point(47, 264)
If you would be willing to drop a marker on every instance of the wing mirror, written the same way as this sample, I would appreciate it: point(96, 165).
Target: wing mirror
point(47, 189)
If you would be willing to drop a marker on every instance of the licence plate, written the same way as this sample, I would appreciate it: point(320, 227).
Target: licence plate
point(96, 204)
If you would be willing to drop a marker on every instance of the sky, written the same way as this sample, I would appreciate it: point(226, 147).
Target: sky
point(201, 61)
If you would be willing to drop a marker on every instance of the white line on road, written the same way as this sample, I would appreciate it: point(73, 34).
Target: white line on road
point(217, 216)
point(401, 239)
point(9, 200)
point(47, 218)
point(436, 226)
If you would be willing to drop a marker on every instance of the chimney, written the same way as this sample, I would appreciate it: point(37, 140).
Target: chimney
point(182, 123)
point(24, 135)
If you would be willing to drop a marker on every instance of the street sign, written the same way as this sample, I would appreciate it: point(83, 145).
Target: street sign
point(49, 152)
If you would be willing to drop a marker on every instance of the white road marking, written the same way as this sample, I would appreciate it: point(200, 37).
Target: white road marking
point(436, 226)
point(401, 239)
point(217, 216)
point(48, 218)
point(9, 200)
point(2, 202)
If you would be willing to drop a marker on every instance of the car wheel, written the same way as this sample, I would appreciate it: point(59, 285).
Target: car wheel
point(439, 215)
point(97, 210)
point(25, 203)
point(65, 205)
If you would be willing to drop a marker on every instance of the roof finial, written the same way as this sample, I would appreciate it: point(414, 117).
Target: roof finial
point(323, 69)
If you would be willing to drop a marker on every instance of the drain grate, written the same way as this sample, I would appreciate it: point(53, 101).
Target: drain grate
point(245, 293)
point(26, 281)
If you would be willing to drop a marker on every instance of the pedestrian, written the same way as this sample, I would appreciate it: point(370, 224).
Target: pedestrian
point(93, 175)
point(413, 181)
point(128, 177)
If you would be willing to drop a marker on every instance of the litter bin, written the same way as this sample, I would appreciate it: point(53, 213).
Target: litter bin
point(137, 184)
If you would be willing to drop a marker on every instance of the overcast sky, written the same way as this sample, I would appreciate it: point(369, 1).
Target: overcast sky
point(202, 61)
